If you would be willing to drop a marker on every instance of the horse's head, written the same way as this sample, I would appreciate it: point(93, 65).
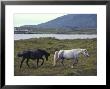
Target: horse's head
point(85, 52)
point(47, 55)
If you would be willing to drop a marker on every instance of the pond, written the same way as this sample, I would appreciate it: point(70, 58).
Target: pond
point(57, 36)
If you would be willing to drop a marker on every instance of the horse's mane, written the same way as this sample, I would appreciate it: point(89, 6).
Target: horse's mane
point(43, 51)
point(79, 49)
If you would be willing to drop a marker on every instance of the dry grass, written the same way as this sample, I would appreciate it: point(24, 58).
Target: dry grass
point(85, 67)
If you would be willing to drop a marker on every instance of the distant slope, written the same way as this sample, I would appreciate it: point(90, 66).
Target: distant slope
point(81, 21)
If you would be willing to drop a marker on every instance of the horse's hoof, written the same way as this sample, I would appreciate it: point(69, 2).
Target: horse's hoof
point(72, 67)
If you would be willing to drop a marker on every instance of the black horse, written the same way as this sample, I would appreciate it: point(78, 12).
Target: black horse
point(34, 55)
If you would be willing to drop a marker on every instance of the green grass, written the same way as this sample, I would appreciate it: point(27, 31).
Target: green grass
point(85, 66)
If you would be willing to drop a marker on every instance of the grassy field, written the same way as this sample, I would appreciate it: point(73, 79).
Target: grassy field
point(85, 67)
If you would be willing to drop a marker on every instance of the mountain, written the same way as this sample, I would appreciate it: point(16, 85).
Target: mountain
point(67, 24)
point(80, 21)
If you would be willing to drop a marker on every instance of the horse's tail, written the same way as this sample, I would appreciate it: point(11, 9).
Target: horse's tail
point(60, 55)
point(20, 55)
point(55, 58)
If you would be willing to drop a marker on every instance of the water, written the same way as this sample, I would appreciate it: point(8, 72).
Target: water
point(57, 36)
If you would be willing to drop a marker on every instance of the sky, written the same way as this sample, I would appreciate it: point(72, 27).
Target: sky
point(33, 19)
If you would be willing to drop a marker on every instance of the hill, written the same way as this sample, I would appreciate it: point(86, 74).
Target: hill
point(71, 23)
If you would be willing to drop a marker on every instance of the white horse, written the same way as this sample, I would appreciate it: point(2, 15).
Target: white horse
point(69, 54)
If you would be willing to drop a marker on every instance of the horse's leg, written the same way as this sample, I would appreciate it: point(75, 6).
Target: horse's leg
point(27, 62)
point(22, 62)
point(42, 62)
point(37, 62)
point(75, 61)
point(62, 62)
point(57, 60)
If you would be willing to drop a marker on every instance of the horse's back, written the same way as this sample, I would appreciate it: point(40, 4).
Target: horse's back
point(26, 54)
point(41, 51)
point(70, 53)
